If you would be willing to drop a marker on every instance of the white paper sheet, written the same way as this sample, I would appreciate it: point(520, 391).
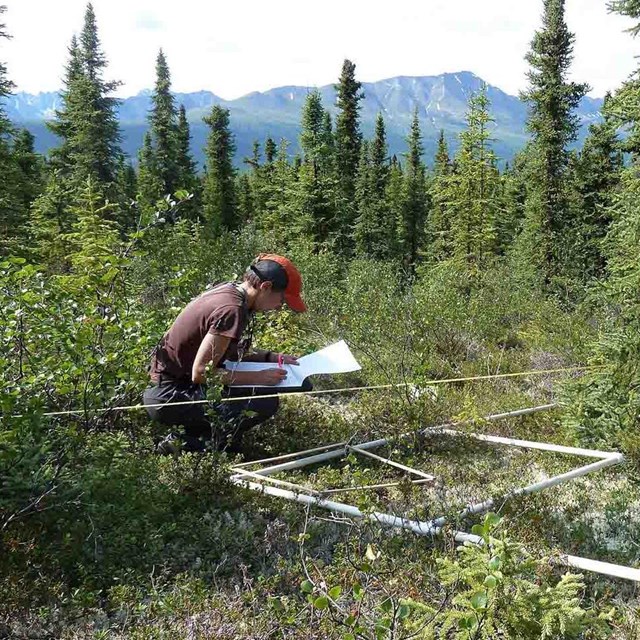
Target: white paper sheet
point(336, 358)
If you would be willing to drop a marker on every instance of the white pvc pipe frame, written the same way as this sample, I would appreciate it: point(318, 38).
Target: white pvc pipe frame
point(434, 527)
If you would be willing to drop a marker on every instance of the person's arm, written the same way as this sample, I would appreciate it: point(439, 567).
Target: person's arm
point(212, 349)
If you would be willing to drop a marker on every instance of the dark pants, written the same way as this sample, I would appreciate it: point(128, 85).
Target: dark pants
point(222, 424)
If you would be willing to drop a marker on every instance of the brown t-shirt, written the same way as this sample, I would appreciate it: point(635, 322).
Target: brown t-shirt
point(222, 310)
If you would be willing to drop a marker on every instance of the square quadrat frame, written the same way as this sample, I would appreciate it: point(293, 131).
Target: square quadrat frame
point(259, 479)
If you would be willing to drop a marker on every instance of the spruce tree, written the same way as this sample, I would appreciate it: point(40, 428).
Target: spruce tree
point(246, 208)
point(270, 150)
point(624, 107)
point(164, 134)
point(597, 174)
point(414, 198)
point(11, 209)
point(31, 168)
point(127, 186)
point(186, 167)
point(347, 143)
point(375, 230)
point(364, 230)
point(150, 188)
point(316, 188)
point(385, 220)
point(328, 135)
point(255, 159)
point(219, 198)
point(394, 205)
point(6, 86)
point(605, 406)
point(127, 180)
point(282, 206)
point(379, 159)
point(254, 187)
point(511, 213)
point(553, 125)
point(91, 243)
point(475, 189)
point(312, 129)
point(263, 182)
point(88, 122)
point(51, 217)
point(64, 123)
point(89, 149)
point(439, 241)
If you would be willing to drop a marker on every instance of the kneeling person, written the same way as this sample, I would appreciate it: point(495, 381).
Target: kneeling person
point(210, 330)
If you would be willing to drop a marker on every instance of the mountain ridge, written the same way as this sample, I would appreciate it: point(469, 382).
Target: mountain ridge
point(441, 101)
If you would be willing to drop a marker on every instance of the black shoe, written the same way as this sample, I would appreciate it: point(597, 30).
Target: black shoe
point(169, 446)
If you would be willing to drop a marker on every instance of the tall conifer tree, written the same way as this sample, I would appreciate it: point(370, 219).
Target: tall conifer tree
point(63, 125)
point(439, 242)
point(597, 174)
point(347, 140)
point(186, 167)
point(394, 203)
point(263, 183)
point(163, 125)
point(510, 218)
point(316, 188)
point(90, 145)
point(6, 86)
point(150, 187)
point(281, 189)
point(364, 230)
point(605, 408)
point(245, 199)
point(219, 197)
point(11, 209)
point(414, 198)
point(87, 121)
point(625, 104)
point(552, 100)
point(376, 226)
point(184, 160)
point(31, 168)
point(475, 189)
point(270, 150)
point(379, 159)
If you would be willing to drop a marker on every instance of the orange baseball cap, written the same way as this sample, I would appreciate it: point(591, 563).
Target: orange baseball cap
point(293, 288)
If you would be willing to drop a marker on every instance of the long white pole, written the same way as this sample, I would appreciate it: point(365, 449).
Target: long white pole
point(534, 488)
point(282, 483)
point(385, 518)
point(528, 444)
point(287, 456)
point(373, 444)
point(321, 457)
point(391, 463)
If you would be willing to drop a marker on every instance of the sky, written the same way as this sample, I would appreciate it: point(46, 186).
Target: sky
point(234, 47)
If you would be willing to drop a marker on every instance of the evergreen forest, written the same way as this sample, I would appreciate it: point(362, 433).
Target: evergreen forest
point(430, 268)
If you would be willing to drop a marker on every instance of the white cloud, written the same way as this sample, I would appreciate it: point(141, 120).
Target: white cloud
point(234, 48)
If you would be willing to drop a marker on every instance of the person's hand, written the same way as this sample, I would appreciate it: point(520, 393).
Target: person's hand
point(286, 359)
point(270, 377)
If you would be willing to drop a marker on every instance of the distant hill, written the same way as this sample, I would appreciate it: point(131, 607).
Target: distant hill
point(441, 101)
